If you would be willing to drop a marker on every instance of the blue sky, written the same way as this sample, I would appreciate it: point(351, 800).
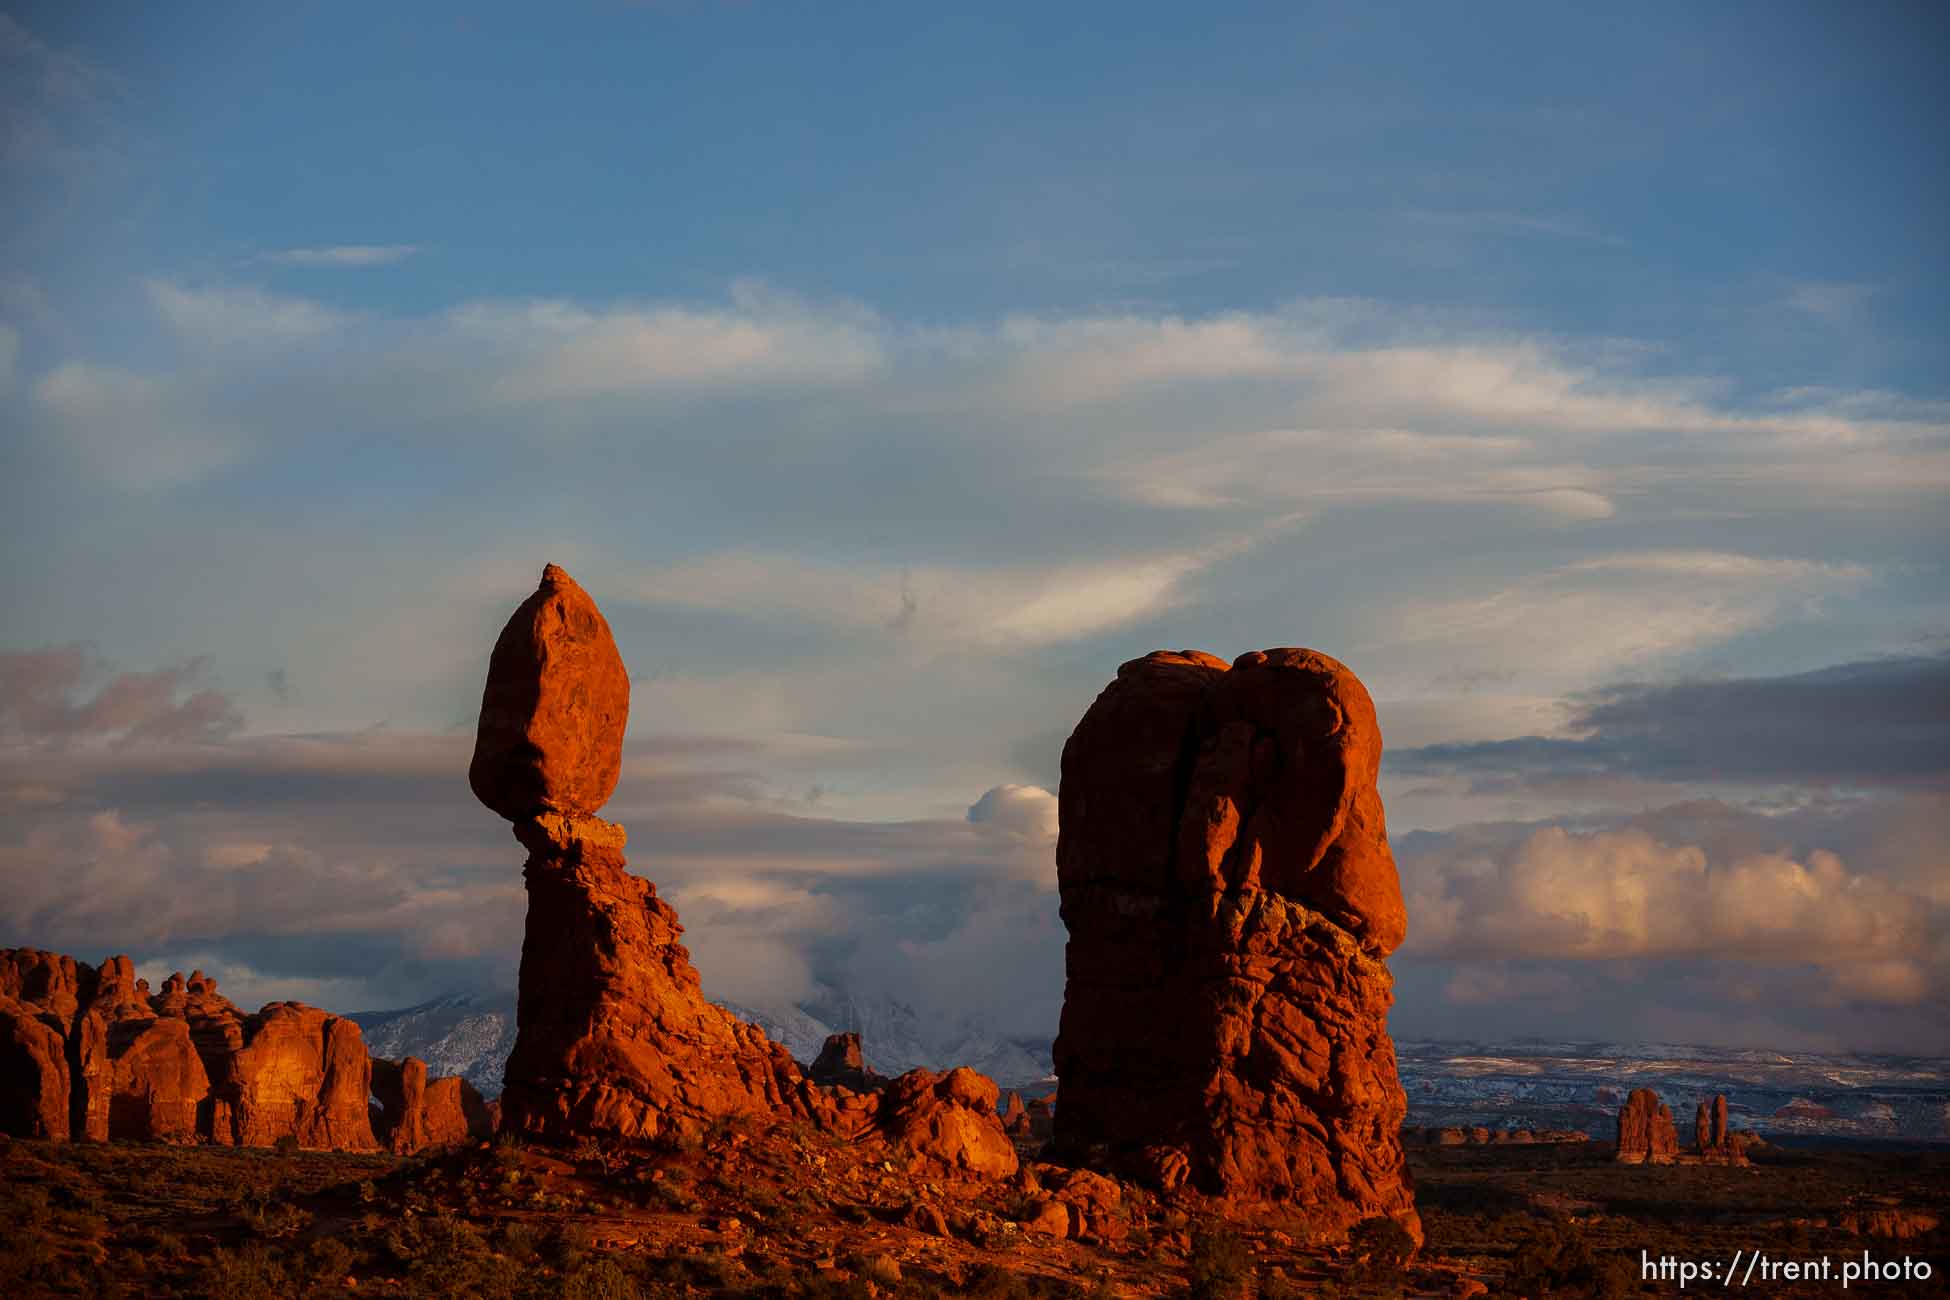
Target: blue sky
point(890, 374)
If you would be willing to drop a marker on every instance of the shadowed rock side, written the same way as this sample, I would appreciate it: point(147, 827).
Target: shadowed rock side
point(553, 711)
point(417, 1114)
point(1226, 880)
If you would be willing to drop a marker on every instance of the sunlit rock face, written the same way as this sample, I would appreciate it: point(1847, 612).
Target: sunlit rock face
point(554, 709)
point(1225, 876)
point(614, 1035)
point(182, 1065)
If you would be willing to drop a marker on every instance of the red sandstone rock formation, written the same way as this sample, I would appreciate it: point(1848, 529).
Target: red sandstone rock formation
point(554, 709)
point(418, 1114)
point(948, 1122)
point(34, 1081)
point(1713, 1141)
point(1645, 1131)
point(613, 1035)
point(1230, 896)
point(181, 1065)
point(842, 1062)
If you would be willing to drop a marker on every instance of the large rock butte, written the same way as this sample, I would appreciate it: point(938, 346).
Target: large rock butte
point(1645, 1131)
point(614, 1037)
point(553, 711)
point(1230, 896)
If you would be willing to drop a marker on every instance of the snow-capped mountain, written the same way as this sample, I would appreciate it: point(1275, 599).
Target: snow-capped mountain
point(895, 1038)
point(1506, 1085)
point(465, 1034)
point(1581, 1085)
point(472, 1034)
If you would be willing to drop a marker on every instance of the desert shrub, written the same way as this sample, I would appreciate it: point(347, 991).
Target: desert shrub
point(252, 1271)
point(328, 1260)
point(1219, 1267)
point(568, 1247)
point(600, 1279)
point(287, 1144)
point(518, 1243)
point(1380, 1247)
point(1556, 1259)
point(268, 1216)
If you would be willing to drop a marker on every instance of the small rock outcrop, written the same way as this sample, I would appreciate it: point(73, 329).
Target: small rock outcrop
point(841, 1062)
point(91, 1053)
point(1645, 1132)
point(1713, 1141)
point(948, 1122)
point(1225, 876)
point(417, 1114)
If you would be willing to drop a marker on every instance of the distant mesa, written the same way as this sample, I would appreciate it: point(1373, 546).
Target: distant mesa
point(1225, 876)
point(91, 1053)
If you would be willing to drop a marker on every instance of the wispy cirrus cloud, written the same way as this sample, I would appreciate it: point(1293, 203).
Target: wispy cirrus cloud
point(344, 255)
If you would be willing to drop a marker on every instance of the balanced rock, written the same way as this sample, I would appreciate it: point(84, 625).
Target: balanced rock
point(1645, 1131)
point(554, 709)
point(613, 1034)
point(1225, 875)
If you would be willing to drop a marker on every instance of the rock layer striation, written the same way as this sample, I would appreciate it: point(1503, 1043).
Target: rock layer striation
point(1230, 896)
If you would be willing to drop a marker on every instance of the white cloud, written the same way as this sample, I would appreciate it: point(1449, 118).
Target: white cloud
point(241, 316)
point(1574, 625)
point(344, 255)
point(1627, 894)
point(137, 432)
point(558, 351)
point(1018, 607)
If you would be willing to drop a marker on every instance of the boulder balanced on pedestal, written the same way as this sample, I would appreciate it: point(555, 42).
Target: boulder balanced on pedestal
point(614, 1035)
point(1225, 876)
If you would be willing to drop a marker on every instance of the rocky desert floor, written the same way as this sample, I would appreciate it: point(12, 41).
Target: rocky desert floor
point(789, 1212)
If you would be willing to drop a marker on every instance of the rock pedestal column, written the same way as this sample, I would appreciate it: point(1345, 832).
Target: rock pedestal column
point(1230, 897)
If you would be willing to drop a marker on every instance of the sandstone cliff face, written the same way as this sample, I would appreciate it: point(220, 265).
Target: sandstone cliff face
point(1645, 1131)
point(34, 1082)
point(1230, 896)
